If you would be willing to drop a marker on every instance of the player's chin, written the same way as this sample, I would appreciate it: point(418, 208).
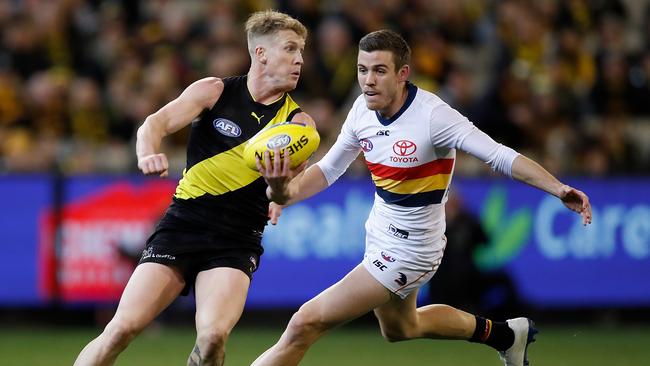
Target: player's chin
point(292, 84)
point(373, 105)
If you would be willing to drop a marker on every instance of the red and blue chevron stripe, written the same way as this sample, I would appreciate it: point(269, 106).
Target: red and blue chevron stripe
point(412, 186)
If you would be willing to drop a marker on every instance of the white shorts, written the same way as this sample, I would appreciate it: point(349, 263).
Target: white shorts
point(401, 260)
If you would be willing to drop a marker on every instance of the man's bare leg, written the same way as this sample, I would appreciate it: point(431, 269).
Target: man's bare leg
point(356, 294)
point(151, 288)
point(220, 297)
point(400, 320)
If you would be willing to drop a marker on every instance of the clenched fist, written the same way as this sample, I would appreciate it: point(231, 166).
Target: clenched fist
point(154, 164)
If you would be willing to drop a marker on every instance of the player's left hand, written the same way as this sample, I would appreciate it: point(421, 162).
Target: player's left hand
point(576, 201)
point(275, 211)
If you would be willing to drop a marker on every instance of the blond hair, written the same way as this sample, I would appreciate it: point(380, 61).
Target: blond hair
point(269, 22)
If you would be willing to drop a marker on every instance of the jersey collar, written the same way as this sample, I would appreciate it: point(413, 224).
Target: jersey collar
point(412, 91)
point(271, 105)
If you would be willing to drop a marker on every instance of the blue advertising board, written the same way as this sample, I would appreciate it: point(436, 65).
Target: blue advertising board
point(551, 257)
point(553, 260)
point(25, 199)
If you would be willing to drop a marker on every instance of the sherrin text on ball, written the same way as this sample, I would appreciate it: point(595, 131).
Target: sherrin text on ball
point(297, 139)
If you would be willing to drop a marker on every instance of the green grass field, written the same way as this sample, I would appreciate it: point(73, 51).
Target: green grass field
point(349, 346)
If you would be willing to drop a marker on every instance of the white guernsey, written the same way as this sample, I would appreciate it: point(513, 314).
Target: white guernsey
point(409, 138)
point(411, 158)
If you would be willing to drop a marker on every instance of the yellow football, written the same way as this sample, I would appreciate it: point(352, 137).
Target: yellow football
point(298, 139)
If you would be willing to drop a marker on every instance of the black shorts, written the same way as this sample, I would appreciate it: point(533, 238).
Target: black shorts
point(192, 251)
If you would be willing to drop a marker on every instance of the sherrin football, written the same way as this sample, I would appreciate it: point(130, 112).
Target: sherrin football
point(299, 140)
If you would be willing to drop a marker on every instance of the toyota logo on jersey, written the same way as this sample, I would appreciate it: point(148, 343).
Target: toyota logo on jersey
point(404, 148)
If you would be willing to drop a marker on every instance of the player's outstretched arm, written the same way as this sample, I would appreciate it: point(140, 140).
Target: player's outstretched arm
point(308, 184)
point(300, 188)
point(200, 95)
point(528, 171)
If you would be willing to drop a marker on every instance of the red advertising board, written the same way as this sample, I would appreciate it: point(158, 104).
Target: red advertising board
point(88, 264)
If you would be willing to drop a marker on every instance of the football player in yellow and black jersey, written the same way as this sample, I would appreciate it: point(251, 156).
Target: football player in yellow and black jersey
point(210, 236)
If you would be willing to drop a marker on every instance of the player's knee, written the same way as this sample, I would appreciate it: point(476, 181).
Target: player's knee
point(119, 334)
point(305, 324)
point(212, 340)
point(395, 334)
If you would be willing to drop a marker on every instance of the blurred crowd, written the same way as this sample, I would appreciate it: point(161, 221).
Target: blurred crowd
point(566, 82)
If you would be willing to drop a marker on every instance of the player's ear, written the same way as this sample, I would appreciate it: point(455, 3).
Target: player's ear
point(403, 73)
point(260, 54)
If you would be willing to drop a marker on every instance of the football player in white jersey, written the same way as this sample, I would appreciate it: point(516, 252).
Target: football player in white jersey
point(408, 137)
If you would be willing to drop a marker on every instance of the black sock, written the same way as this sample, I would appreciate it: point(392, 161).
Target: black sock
point(497, 335)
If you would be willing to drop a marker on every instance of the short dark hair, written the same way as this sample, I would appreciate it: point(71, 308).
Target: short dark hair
point(387, 40)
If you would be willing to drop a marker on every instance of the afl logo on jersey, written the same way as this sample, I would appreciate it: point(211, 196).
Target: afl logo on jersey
point(278, 141)
point(404, 148)
point(366, 144)
point(226, 127)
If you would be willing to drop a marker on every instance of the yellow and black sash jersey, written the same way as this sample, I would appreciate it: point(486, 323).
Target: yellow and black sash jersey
point(218, 191)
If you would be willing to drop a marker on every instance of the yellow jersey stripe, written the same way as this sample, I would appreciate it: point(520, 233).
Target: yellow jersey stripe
point(426, 184)
point(225, 172)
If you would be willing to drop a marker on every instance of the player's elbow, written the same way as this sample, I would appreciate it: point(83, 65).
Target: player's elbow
point(152, 128)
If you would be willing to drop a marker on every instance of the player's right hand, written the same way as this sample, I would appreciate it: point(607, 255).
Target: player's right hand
point(154, 164)
point(577, 201)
